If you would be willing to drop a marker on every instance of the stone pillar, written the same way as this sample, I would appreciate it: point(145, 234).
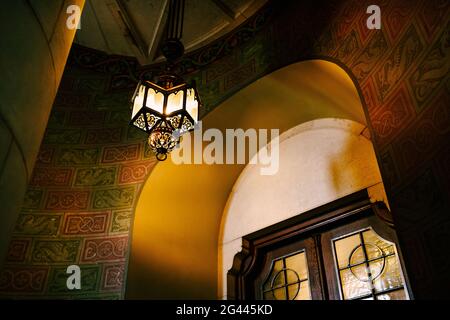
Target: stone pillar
point(35, 43)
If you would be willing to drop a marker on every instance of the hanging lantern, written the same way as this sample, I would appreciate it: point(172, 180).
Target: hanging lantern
point(168, 108)
point(165, 111)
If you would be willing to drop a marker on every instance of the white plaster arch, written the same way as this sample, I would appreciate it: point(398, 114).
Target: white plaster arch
point(320, 161)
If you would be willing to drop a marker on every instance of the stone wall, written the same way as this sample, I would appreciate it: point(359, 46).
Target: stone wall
point(79, 202)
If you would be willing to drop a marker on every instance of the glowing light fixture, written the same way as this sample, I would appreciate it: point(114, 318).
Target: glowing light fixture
point(169, 107)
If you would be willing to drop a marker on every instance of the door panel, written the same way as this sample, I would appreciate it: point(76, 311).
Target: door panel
point(290, 272)
point(342, 250)
point(360, 264)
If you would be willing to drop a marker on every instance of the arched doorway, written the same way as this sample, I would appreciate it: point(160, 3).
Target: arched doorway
point(175, 237)
point(328, 187)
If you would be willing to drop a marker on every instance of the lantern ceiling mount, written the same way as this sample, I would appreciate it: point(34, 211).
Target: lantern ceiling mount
point(169, 107)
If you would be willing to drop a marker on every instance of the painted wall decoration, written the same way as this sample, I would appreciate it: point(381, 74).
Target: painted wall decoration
point(79, 204)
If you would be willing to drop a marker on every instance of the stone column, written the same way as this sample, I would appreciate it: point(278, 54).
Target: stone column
point(35, 42)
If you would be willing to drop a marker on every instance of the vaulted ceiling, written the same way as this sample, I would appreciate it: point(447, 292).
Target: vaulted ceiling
point(136, 27)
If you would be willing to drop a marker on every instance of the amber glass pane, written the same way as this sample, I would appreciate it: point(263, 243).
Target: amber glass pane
point(351, 286)
point(277, 266)
point(377, 268)
point(155, 100)
point(304, 293)
point(269, 295)
point(280, 294)
point(373, 251)
point(391, 277)
point(344, 248)
point(279, 279)
point(289, 273)
point(293, 291)
point(138, 100)
point(292, 276)
point(297, 262)
point(373, 241)
point(175, 102)
point(360, 272)
point(357, 256)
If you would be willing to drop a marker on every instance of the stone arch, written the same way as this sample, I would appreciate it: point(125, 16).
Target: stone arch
point(320, 161)
point(178, 215)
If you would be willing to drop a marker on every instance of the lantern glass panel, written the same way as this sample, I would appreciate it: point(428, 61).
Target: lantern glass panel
point(155, 100)
point(192, 104)
point(138, 100)
point(175, 102)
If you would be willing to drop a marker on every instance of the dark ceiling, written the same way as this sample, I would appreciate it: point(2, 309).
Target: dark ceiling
point(136, 27)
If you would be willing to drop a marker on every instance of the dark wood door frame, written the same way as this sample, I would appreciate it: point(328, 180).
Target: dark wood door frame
point(248, 262)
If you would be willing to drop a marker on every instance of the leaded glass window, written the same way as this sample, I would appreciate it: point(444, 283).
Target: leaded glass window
point(288, 279)
point(368, 267)
point(334, 252)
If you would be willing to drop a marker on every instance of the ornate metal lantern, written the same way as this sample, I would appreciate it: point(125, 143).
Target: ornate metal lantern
point(165, 110)
point(168, 108)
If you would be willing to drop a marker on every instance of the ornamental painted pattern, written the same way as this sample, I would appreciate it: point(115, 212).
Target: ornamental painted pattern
point(32, 199)
point(398, 114)
point(398, 63)
point(121, 153)
point(85, 223)
point(38, 224)
point(86, 118)
point(55, 251)
point(45, 155)
point(135, 172)
point(24, 280)
point(77, 209)
point(432, 71)
point(113, 276)
point(17, 250)
point(114, 198)
point(95, 176)
point(52, 177)
point(67, 200)
point(103, 136)
point(121, 221)
point(62, 136)
point(105, 249)
point(77, 156)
